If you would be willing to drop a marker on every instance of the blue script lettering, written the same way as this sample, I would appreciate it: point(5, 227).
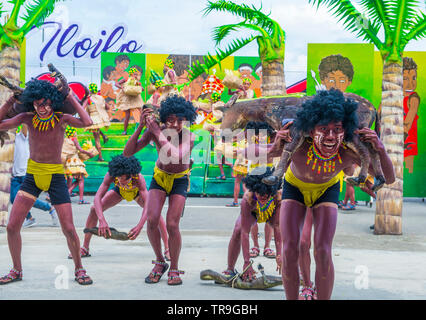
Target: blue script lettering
point(67, 44)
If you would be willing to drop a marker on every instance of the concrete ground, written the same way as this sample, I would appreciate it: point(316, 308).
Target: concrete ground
point(366, 266)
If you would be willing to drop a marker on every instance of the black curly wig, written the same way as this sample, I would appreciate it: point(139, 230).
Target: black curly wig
point(325, 107)
point(179, 106)
point(120, 165)
point(260, 125)
point(253, 181)
point(41, 89)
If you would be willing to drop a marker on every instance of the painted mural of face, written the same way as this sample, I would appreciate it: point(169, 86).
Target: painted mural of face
point(410, 81)
point(328, 138)
point(337, 80)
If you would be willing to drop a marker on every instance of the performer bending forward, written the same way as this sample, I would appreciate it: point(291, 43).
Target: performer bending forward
point(129, 185)
point(313, 180)
point(45, 171)
point(261, 203)
point(174, 144)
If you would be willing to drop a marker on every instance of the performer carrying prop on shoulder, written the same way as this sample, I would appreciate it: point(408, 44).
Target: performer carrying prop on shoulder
point(313, 179)
point(174, 144)
point(129, 185)
point(261, 203)
point(45, 171)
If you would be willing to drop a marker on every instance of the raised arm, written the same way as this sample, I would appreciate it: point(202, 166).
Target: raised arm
point(13, 122)
point(84, 120)
point(370, 136)
point(5, 108)
point(180, 152)
point(133, 145)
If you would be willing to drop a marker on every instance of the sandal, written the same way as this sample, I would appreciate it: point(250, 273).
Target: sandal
point(307, 293)
point(269, 253)
point(349, 206)
point(12, 276)
point(84, 253)
point(221, 177)
point(83, 202)
point(73, 194)
point(233, 204)
point(174, 280)
point(167, 255)
point(154, 276)
point(254, 252)
point(82, 278)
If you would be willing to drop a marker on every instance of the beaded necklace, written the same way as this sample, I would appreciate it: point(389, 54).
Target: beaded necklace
point(128, 192)
point(265, 212)
point(44, 124)
point(329, 164)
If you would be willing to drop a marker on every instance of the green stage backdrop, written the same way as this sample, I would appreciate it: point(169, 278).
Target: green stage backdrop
point(367, 82)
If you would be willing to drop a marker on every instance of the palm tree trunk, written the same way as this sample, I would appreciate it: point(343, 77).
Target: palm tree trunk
point(388, 218)
point(10, 63)
point(273, 80)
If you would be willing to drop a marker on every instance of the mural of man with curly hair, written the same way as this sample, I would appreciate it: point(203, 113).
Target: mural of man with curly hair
point(336, 72)
point(411, 109)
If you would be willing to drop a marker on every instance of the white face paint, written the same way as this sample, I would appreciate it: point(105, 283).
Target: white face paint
point(328, 138)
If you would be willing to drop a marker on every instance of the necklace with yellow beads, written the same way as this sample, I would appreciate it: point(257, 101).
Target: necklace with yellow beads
point(320, 163)
point(44, 124)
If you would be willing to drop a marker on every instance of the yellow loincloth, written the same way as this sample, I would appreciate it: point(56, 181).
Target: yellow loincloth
point(312, 191)
point(43, 173)
point(165, 179)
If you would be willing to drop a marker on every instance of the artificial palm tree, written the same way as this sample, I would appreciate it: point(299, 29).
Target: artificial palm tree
point(11, 38)
point(401, 22)
point(268, 34)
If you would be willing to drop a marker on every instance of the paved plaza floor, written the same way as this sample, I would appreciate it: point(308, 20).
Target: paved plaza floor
point(367, 266)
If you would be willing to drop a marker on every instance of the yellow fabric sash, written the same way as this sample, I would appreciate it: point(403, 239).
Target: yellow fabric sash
point(129, 194)
point(165, 179)
point(312, 191)
point(43, 172)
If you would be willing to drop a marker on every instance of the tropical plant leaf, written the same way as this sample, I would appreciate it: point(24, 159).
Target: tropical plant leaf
point(403, 13)
point(37, 12)
point(250, 14)
point(198, 68)
point(379, 13)
point(353, 20)
point(417, 32)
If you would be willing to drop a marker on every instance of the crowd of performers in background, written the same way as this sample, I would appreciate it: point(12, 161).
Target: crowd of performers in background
point(54, 151)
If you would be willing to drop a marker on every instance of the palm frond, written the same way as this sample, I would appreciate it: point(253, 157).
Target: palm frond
point(353, 20)
point(210, 61)
point(250, 14)
point(13, 17)
point(37, 12)
point(219, 33)
point(379, 13)
point(402, 12)
point(418, 31)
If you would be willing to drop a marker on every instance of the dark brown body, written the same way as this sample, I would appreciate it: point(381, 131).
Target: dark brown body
point(274, 110)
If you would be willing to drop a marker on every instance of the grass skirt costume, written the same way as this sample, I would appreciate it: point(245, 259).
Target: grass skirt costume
point(70, 156)
point(98, 113)
point(128, 101)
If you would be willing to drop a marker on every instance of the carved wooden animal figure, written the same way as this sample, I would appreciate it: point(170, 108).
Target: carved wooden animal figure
point(275, 110)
